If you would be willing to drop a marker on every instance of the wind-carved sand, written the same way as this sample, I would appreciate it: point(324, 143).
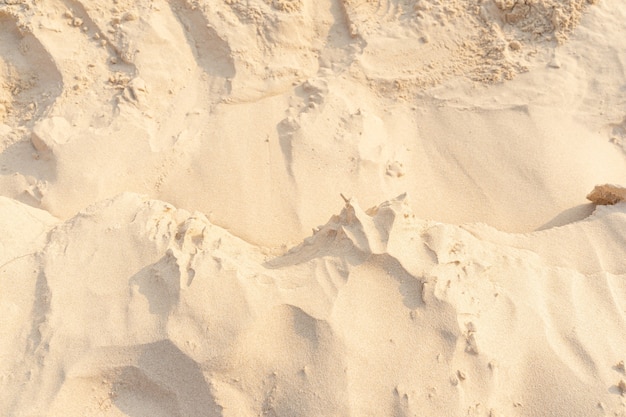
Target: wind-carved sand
point(607, 194)
point(158, 158)
point(375, 98)
point(377, 311)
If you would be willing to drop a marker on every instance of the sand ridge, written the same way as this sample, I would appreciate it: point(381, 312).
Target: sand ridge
point(335, 88)
point(162, 164)
point(364, 323)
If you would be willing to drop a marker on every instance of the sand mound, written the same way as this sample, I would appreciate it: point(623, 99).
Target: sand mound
point(291, 103)
point(378, 312)
point(495, 290)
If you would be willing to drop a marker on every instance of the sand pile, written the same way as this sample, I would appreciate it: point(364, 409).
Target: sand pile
point(162, 164)
point(160, 312)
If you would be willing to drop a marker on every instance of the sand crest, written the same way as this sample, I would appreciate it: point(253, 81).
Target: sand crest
point(162, 165)
point(356, 320)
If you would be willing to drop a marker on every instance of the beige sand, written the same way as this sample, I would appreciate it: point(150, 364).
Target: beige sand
point(162, 164)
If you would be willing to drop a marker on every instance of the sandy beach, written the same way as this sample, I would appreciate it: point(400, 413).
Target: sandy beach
point(278, 208)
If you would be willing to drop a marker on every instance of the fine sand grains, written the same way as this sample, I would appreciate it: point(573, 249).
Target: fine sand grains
point(377, 312)
point(163, 162)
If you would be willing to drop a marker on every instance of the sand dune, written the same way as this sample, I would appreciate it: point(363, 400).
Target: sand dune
point(161, 312)
point(162, 164)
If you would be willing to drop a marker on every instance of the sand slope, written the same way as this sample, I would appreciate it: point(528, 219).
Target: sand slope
point(162, 164)
point(288, 103)
point(378, 313)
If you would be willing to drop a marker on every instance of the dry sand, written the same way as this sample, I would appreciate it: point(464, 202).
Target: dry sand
point(162, 164)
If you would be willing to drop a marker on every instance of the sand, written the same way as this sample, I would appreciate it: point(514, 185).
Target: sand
point(312, 208)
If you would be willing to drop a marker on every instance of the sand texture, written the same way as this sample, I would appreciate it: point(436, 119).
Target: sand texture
point(312, 208)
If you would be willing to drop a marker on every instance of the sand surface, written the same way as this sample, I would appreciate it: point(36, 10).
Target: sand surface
point(312, 208)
